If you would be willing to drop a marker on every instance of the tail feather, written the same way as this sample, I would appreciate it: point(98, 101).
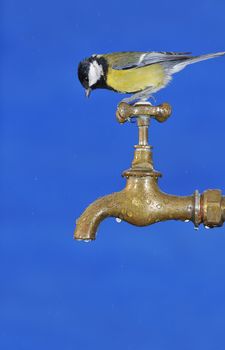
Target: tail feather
point(181, 65)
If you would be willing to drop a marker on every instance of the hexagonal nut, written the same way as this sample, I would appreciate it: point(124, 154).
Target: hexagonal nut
point(211, 208)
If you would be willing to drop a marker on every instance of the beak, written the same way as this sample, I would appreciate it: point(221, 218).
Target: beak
point(87, 92)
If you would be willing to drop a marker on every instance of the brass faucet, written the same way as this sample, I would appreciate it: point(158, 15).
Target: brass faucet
point(141, 202)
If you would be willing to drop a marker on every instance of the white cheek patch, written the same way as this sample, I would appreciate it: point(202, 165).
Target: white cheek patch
point(95, 73)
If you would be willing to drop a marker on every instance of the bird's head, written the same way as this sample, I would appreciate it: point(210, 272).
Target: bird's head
point(90, 74)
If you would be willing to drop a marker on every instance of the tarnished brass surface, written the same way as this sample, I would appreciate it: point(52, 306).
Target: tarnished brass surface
point(213, 210)
point(141, 202)
point(125, 111)
point(223, 208)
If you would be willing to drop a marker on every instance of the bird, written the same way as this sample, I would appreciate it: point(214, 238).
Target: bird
point(139, 74)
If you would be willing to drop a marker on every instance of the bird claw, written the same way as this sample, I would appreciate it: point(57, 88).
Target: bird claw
point(142, 97)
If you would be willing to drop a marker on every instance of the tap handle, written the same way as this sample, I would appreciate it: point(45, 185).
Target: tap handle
point(126, 111)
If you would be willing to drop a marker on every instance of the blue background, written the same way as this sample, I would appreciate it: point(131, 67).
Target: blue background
point(158, 287)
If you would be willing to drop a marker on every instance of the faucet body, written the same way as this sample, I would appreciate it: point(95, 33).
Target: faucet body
point(141, 202)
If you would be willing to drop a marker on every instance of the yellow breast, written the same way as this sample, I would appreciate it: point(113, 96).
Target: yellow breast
point(135, 79)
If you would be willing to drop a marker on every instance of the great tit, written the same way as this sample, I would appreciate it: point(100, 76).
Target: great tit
point(136, 73)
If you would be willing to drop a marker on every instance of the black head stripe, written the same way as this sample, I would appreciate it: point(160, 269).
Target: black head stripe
point(83, 70)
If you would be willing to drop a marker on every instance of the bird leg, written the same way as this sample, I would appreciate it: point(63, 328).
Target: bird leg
point(141, 96)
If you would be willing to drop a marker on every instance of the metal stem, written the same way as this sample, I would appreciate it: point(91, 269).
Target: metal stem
point(143, 124)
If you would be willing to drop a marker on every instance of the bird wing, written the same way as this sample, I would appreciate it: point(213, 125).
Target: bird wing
point(126, 60)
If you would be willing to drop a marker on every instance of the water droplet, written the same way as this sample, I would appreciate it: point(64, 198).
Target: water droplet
point(118, 220)
point(186, 220)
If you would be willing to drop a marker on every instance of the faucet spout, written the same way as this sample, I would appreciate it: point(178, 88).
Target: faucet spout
point(141, 203)
point(88, 222)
